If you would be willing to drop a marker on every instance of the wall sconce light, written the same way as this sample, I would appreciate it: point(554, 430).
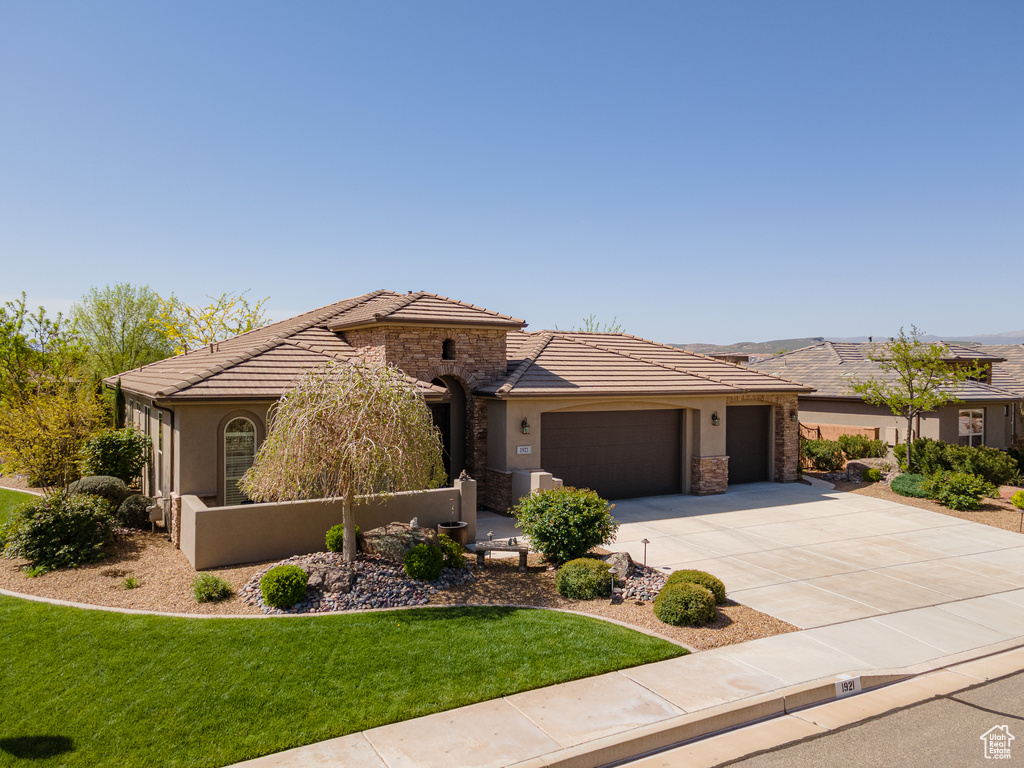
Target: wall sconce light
point(714, 418)
point(793, 416)
point(525, 426)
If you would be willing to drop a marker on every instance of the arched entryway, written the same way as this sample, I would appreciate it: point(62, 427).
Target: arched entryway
point(450, 419)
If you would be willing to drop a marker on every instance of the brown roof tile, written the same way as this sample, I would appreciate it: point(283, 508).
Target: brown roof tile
point(830, 366)
point(566, 363)
point(421, 308)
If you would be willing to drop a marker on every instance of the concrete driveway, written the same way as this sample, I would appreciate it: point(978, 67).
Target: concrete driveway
point(815, 558)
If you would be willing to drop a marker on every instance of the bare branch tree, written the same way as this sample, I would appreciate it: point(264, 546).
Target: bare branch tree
point(347, 430)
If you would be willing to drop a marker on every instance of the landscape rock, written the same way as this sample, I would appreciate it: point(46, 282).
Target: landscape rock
point(622, 563)
point(330, 578)
point(393, 540)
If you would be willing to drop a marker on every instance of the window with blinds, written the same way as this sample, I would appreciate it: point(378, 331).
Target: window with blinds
point(239, 451)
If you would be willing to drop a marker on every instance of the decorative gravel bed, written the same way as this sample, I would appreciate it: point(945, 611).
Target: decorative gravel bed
point(378, 584)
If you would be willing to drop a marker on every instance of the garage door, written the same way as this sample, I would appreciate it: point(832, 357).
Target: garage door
point(619, 454)
point(747, 430)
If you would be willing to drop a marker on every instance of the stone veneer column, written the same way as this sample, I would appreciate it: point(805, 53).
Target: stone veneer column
point(175, 520)
point(709, 475)
point(787, 440)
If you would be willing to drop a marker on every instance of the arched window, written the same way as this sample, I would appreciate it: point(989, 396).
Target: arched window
point(447, 349)
point(239, 451)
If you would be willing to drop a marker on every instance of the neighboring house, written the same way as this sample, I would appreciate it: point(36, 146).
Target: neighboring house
point(622, 415)
point(1008, 375)
point(984, 415)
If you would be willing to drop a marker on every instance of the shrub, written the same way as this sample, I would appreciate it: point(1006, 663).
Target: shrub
point(120, 453)
point(335, 539)
point(112, 489)
point(1018, 499)
point(565, 523)
point(208, 588)
point(685, 603)
point(824, 455)
point(284, 585)
point(958, 490)
point(861, 447)
point(929, 456)
point(58, 531)
point(909, 485)
point(702, 578)
point(584, 579)
point(131, 582)
point(423, 561)
point(871, 475)
point(134, 512)
point(451, 551)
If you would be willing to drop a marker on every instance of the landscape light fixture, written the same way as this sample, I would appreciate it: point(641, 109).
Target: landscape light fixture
point(611, 572)
point(645, 542)
point(793, 415)
point(525, 426)
point(714, 418)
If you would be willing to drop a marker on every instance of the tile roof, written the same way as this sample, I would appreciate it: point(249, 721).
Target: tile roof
point(546, 363)
point(420, 308)
point(830, 366)
point(1008, 374)
point(260, 364)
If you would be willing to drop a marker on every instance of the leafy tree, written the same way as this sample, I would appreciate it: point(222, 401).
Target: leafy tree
point(45, 410)
point(120, 453)
point(347, 430)
point(915, 378)
point(225, 316)
point(119, 327)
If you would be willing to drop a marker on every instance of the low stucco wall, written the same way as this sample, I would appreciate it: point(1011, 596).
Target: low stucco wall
point(212, 537)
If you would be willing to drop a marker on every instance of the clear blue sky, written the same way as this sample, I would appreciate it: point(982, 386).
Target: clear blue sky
point(713, 171)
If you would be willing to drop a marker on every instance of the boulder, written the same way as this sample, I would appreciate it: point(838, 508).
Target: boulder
point(621, 562)
point(330, 578)
point(393, 540)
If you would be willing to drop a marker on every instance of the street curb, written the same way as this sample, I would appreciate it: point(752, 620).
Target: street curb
point(991, 661)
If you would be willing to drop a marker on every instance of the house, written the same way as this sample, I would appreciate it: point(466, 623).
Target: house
point(984, 415)
point(622, 415)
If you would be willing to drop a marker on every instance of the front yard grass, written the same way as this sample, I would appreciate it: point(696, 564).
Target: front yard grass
point(9, 500)
point(94, 688)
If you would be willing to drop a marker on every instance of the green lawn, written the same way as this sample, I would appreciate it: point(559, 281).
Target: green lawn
point(9, 500)
point(92, 688)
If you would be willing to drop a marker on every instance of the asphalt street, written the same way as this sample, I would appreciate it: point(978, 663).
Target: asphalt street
point(939, 732)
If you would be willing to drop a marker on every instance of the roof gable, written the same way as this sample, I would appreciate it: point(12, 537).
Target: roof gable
point(420, 309)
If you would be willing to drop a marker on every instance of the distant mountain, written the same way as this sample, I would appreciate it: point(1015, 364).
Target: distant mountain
point(1009, 337)
point(759, 349)
point(756, 348)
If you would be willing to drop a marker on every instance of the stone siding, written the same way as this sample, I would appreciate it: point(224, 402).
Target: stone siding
point(497, 490)
point(709, 475)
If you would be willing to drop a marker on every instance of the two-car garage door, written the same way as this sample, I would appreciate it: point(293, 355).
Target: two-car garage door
point(619, 454)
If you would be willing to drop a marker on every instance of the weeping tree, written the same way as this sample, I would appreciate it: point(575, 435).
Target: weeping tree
point(347, 430)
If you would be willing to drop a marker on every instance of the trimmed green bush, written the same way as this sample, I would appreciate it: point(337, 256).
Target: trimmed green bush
point(584, 579)
point(208, 588)
point(958, 490)
point(134, 512)
point(284, 585)
point(703, 578)
point(58, 531)
point(929, 456)
point(909, 484)
point(451, 551)
point(861, 447)
point(565, 523)
point(335, 539)
point(824, 455)
point(423, 561)
point(871, 475)
point(1018, 499)
point(685, 604)
point(112, 489)
point(120, 453)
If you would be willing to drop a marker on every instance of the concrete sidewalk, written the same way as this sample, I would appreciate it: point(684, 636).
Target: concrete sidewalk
point(965, 584)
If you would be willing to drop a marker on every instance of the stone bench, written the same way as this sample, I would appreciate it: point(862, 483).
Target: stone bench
point(483, 547)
